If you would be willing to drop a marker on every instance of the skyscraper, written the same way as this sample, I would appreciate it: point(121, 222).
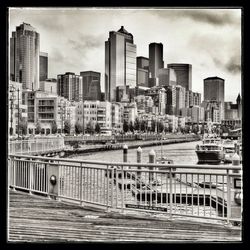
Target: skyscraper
point(24, 56)
point(142, 64)
point(183, 74)
point(155, 62)
point(166, 77)
point(43, 66)
point(120, 62)
point(91, 87)
point(214, 91)
point(69, 85)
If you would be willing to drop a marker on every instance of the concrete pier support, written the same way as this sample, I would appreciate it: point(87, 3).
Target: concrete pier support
point(138, 157)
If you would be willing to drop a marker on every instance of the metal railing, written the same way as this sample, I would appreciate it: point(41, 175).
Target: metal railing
point(35, 145)
point(203, 191)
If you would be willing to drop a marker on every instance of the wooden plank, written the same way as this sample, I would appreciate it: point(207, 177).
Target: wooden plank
point(38, 219)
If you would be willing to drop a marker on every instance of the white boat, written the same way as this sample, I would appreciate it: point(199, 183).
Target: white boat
point(210, 151)
point(229, 150)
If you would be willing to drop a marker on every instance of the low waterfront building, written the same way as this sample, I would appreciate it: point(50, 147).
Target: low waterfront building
point(117, 117)
point(17, 108)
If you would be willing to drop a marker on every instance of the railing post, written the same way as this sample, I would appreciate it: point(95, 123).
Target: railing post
point(171, 192)
point(236, 190)
point(31, 176)
point(81, 184)
point(228, 196)
point(151, 160)
point(107, 188)
point(122, 172)
point(53, 178)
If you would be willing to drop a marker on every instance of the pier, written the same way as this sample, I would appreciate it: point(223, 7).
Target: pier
point(206, 195)
point(40, 219)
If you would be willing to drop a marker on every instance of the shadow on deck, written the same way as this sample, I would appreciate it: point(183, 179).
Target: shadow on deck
point(39, 219)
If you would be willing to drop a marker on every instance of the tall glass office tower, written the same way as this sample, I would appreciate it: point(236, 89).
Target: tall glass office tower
point(155, 62)
point(120, 63)
point(24, 56)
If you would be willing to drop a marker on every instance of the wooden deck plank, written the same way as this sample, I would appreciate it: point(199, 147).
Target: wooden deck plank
point(39, 219)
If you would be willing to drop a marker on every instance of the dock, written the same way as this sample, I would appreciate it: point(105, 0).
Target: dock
point(40, 219)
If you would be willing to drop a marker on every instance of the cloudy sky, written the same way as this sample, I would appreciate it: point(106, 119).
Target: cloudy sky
point(209, 39)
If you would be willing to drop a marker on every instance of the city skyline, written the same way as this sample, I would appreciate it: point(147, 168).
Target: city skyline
point(75, 39)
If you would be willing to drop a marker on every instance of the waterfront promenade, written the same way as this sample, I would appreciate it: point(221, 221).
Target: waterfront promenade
point(39, 219)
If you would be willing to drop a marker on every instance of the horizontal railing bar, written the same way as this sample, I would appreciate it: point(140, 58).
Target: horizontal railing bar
point(218, 167)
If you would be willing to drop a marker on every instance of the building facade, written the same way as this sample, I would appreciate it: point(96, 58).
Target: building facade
point(91, 87)
point(49, 85)
point(180, 98)
point(183, 74)
point(167, 77)
point(24, 56)
point(43, 66)
point(155, 62)
point(69, 86)
point(120, 62)
point(142, 71)
point(214, 91)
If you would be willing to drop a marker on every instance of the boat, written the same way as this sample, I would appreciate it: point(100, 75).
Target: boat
point(210, 151)
point(229, 150)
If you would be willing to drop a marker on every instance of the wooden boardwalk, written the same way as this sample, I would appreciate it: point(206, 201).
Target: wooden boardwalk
point(39, 219)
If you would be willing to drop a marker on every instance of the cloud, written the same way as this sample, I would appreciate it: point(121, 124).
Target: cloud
point(216, 17)
point(86, 43)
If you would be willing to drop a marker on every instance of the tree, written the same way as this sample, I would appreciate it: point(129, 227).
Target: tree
point(131, 127)
point(97, 128)
point(160, 127)
point(78, 127)
point(38, 128)
point(153, 123)
point(125, 126)
point(23, 125)
point(67, 127)
point(54, 127)
point(137, 124)
point(143, 125)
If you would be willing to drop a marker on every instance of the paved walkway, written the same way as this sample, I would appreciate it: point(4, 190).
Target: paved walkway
point(39, 219)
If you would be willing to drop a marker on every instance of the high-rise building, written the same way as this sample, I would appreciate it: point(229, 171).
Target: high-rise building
point(171, 100)
point(180, 98)
point(166, 77)
point(214, 91)
point(155, 62)
point(91, 88)
point(69, 85)
point(120, 62)
point(142, 73)
point(183, 74)
point(43, 66)
point(24, 56)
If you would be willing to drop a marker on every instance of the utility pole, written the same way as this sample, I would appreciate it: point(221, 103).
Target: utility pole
point(18, 112)
point(83, 117)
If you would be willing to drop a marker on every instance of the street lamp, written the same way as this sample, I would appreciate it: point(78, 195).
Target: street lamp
point(12, 98)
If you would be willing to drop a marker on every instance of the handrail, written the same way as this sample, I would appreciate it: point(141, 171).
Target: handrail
point(196, 166)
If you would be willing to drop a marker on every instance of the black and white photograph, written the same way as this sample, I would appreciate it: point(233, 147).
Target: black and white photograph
point(124, 125)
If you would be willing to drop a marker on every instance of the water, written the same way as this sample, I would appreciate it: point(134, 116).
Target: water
point(180, 153)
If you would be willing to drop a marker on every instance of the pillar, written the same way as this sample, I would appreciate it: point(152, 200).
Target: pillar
point(151, 156)
point(138, 157)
